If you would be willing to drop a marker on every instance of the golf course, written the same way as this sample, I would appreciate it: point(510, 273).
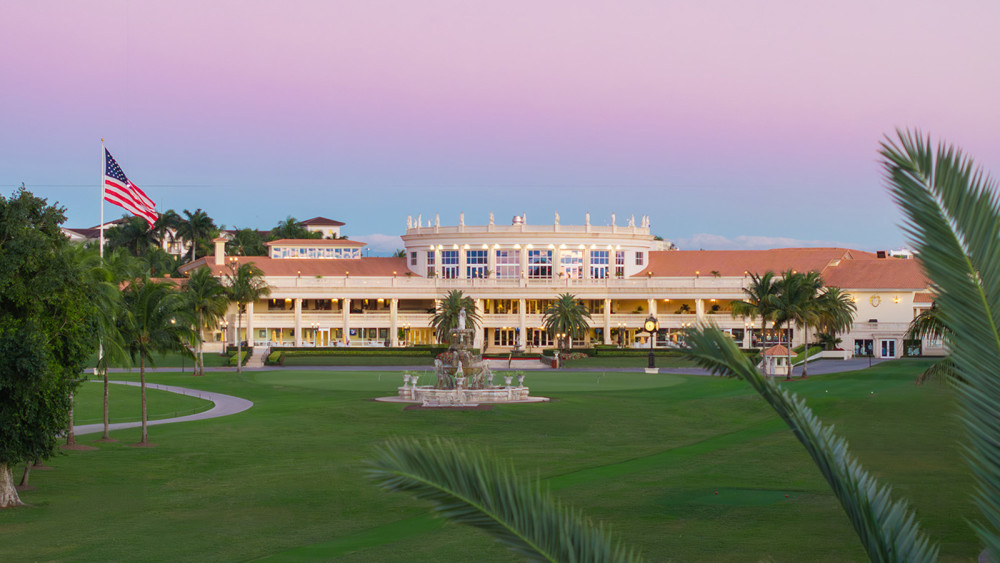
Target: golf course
point(684, 467)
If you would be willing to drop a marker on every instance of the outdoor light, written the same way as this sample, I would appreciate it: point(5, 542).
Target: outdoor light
point(552, 246)
point(485, 246)
point(651, 326)
point(582, 246)
point(454, 246)
point(517, 246)
point(466, 247)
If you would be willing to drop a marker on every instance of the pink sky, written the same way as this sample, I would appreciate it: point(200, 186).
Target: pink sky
point(732, 124)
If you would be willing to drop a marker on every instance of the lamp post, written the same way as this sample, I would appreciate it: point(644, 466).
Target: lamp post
point(651, 326)
point(315, 327)
point(224, 325)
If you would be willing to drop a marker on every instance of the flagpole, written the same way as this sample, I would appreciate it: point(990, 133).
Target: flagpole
point(100, 344)
point(103, 163)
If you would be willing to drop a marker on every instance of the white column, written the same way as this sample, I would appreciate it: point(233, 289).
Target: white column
point(522, 320)
point(346, 311)
point(524, 263)
point(437, 263)
point(249, 332)
point(607, 321)
point(477, 336)
point(556, 263)
point(462, 263)
point(585, 274)
point(394, 322)
point(491, 262)
point(298, 322)
point(651, 306)
point(699, 309)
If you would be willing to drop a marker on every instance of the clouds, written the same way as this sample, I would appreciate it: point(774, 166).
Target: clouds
point(708, 241)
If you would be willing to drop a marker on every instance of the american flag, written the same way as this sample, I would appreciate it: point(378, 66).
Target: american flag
point(119, 190)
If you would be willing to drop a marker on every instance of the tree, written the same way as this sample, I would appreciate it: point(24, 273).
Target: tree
point(807, 286)
point(246, 242)
point(207, 300)
point(399, 253)
point(166, 227)
point(196, 228)
point(160, 263)
point(158, 322)
point(836, 312)
point(46, 336)
point(290, 228)
point(118, 266)
point(470, 488)
point(953, 219)
point(760, 301)
point(566, 315)
point(446, 314)
point(132, 233)
point(245, 285)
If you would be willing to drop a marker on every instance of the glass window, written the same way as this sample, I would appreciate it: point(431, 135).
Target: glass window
point(639, 258)
point(540, 264)
point(505, 337)
point(430, 263)
point(620, 263)
point(413, 258)
point(508, 264)
point(570, 263)
point(449, 264)
point(475, 263)
point(599, 264)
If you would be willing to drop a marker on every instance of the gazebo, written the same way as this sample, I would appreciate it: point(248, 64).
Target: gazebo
point(776, 360)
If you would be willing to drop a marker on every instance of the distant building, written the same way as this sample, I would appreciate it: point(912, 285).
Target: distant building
point(323, 293)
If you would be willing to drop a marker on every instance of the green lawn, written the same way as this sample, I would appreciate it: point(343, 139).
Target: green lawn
point(124, 404)
point(646, 454)
point(627, 362)
point(292, 360)
point(174, 360)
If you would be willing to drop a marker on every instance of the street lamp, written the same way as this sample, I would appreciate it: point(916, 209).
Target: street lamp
point(315, 327)
point(651, 326)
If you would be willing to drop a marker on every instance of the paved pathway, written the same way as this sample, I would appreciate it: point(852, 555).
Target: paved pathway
point(224, 405)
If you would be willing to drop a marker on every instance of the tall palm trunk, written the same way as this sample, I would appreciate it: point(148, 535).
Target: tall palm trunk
point(142, 385)
point(805, 349)
point(239, 343)
point(200, 366)
point(788, 342)
point(107, 426)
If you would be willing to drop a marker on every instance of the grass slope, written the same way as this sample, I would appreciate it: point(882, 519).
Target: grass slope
point(285, 480)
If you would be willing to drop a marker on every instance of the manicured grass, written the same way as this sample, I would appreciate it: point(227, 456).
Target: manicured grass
point(643, 453)
point(357, 360)
point(174, 360)
point(124, 403)
point(627, 362)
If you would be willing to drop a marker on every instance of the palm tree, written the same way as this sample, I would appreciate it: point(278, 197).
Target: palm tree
point(446, 314)
point(795, 304)
point(836, 312)
point(245, 285)
point(158, 322)
point(160, 263)
point(133, 234)
point(810, 284)
point(470, 488)
point(207, 300)
point(567, 315)
point(290, 228)
point(760, 300)
point(118, 266)
point(166, 227)
point(930, 324)
point(195, 228)
point(246, 242)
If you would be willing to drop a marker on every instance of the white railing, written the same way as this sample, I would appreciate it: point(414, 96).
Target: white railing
point(290, 283)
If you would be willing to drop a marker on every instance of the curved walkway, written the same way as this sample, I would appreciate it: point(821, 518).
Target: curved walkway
point(224, 405)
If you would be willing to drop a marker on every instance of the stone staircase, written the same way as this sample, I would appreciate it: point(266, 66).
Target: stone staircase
point(256, 359)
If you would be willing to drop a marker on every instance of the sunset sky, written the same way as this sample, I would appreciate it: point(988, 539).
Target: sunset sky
point(732, 124)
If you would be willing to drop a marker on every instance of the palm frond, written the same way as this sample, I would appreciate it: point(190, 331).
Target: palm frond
point(953, 220)
point(941, 370)
point(887, 529)
point(467, 487)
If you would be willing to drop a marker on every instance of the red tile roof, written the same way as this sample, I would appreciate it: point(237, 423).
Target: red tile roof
point(321, 221)
point(684, 263)
point(887, 273)
point(923, 297)
point(310, 267)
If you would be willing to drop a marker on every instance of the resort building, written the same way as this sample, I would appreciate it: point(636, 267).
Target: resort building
point(324, 293)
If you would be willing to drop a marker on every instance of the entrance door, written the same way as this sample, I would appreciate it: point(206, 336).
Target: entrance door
point(323, 337)
point(888, 348)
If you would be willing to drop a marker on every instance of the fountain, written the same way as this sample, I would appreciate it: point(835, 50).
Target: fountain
point(463, 379)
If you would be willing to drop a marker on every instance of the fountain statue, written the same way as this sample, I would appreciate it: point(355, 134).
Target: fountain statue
point(462, 378)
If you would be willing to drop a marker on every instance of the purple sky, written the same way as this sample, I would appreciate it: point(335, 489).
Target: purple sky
point(732, 124)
